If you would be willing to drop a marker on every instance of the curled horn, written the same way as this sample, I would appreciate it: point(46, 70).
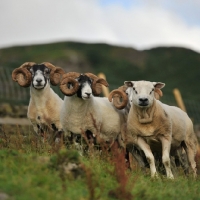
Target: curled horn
point(22, 75)
point(69, 78)
point(158, 93)
point(55, 74)
point(96, 84)
point(120, 98)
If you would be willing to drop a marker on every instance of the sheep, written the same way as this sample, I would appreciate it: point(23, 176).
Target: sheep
point(84, 111)
point(119, 93)
point(156, 127)
point(115, 96)
point(44, 105)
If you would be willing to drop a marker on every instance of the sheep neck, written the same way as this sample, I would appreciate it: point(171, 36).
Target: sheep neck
point(77, 105)
point(145, 115)
point(37, 95)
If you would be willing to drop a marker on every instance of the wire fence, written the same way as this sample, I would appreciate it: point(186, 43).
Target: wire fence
point(12, 93)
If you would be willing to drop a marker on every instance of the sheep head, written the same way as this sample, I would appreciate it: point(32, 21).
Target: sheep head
point(23, 76)
point(142, 93)
point(70, 79)
point(119, 96)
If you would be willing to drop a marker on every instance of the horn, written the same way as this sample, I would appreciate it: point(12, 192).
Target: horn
point(158, 93)
point(96, 84)
point(71, 74)
point(55, 74)
point(22, 75)
point(69, 78)
point(120, 98)
point(123, 88)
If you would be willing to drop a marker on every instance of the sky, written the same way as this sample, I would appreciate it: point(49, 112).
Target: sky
point(140, 24)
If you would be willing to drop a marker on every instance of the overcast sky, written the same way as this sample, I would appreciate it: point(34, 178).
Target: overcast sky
point(141, 24)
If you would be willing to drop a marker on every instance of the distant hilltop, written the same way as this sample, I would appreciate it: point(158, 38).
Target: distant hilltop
point(176, 67)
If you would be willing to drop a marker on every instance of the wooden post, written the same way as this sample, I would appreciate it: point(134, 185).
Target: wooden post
point(104, 89)
point(179, 99)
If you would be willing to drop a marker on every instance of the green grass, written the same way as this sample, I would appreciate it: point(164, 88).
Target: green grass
point(30, 169)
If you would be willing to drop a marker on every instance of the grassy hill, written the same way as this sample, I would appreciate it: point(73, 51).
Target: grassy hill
point(177, 67)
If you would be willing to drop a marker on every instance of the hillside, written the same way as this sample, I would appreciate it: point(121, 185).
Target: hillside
point(177, 67)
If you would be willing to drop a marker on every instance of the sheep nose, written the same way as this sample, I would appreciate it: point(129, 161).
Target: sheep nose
point(143, 100)
point(88, 94)
point(39, 80)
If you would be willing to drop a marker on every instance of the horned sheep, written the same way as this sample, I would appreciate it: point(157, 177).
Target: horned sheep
point(84, 111)
point(44, 105)
point(124, 92)
point(154, 126)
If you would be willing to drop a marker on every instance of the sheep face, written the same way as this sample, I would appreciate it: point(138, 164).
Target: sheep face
point(85, 90)
point(141, 93)
point(40, 76)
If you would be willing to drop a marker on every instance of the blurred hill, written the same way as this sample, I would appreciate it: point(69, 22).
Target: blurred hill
point(176, 67)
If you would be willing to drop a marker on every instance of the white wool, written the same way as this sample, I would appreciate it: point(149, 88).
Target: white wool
point(44, 109)
point(77, 115)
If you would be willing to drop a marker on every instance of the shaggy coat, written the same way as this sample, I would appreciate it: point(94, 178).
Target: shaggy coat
point(82, 112)
point(44, 111)
point(95, 114)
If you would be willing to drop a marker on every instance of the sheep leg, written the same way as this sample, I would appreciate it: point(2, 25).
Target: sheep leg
point(166, 145)
point(149, 155)
point(138, 156)
point(35, 127)
point(182, 157)
point(191, 157)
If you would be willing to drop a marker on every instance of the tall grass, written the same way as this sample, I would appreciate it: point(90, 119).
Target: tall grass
point(30, 169)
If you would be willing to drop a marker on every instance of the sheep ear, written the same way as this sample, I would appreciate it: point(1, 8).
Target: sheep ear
point(158, 85)
point(129, 83)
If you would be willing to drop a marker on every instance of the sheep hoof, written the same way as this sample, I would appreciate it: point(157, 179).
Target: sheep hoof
point(171, 177)
point(155, 176)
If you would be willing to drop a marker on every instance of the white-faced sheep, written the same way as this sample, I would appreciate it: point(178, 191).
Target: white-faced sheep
point(121, 99)
point(154, 126)
point(44, 105)
point(84, 111)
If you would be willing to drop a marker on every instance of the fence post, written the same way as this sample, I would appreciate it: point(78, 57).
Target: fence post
point(179, 99)
point(105, 89)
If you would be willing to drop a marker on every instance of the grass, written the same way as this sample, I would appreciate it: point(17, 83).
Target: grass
point(30, 169)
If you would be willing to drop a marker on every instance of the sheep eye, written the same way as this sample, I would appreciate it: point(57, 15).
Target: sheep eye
point(151, 91)
point(135, 90)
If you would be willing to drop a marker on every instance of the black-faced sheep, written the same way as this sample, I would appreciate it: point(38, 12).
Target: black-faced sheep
point(84, 111)
point(44, 105)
